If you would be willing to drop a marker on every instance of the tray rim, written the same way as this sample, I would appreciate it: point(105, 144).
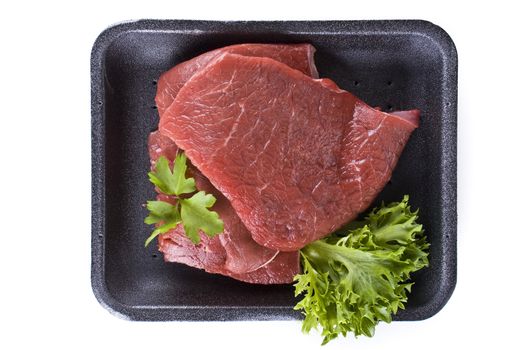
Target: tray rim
point(361, 27)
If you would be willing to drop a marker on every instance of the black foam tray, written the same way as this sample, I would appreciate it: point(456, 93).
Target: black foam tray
point(391, 64)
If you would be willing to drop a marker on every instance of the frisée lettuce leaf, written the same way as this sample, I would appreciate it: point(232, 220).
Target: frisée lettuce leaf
point(359, 276)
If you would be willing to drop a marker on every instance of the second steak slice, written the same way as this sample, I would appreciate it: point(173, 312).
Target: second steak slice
point(296, 156)
point(297, 56)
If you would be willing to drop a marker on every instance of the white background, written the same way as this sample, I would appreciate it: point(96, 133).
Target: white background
point(45, 292)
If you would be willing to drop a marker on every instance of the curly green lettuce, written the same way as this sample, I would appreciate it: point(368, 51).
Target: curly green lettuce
point(359, 276)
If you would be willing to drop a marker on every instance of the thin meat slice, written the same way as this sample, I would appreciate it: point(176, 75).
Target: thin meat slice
point(297, 157)
point(232, 253)
point(281, 270)
point(297, 56)
point(208, 256)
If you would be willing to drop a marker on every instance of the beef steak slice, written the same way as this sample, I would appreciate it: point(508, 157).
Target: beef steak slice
point(297, 157)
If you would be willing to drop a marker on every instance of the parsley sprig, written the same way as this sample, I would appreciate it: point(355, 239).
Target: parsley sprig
point(192, 212)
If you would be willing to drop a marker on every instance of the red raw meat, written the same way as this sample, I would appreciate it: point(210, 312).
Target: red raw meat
point(297, 157)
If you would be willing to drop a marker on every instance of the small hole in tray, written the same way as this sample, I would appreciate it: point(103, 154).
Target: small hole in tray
point(356, 83)
point(154, 107)
point(389, 83)
point(389, 107)
point(155, 256)
point(155, 82)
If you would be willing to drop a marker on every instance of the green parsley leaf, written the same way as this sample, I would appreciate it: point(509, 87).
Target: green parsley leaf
point(357, 277)
point(196, 216)
point(175, 182)
point(166, 214)
point(192, 212)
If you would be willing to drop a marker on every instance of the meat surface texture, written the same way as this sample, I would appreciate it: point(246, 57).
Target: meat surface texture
point(297, 157)
point(297, 56)
point(232, 253)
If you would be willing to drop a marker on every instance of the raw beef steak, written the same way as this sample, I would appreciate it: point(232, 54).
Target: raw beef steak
point(297, 157)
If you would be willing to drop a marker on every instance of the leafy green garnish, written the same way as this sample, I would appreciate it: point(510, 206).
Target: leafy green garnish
point(355, 278)
point(175, 182)
point(192, 212)
point(162, 212)
point(196, 216)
